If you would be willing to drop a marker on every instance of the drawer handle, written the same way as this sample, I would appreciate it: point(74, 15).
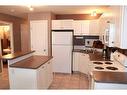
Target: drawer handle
point(42, 67)
point(48, 62)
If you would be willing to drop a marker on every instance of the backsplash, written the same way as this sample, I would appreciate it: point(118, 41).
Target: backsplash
point(81, 40)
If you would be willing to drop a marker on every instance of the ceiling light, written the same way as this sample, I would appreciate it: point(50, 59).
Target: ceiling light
point(30, 7)
point(93, 13)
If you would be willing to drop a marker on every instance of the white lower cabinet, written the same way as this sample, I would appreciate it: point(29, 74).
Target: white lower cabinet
point(42, 77)
point(49, 73)
point(21, 78)
point(76, 57)
point(81, 62)
point(84, 63)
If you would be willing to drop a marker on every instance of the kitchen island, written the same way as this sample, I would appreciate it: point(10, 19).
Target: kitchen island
point(29, 71)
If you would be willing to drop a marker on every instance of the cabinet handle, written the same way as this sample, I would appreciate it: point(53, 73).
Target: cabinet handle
point(44, 50)
point(42, 67)
point(48, 62)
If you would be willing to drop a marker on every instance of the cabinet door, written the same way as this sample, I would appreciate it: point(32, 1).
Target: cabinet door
point(39, 36)
point(94, 27)
point(77, 27)
point(56, 24)
point(62, 24)
point(22, 78)
point(67, 24)
point(42, 77)
point(76, 61)
point(85, 27)
point(84, 62)
point(49, 73)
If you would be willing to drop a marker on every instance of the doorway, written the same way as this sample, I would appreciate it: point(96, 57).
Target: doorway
point(6, 42)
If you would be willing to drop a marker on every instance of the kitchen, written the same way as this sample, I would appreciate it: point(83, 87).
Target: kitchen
point(80, 47)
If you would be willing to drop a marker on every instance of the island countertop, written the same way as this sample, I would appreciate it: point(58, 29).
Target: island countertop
point(110, 77)
point(32, 62)
point(15, 55)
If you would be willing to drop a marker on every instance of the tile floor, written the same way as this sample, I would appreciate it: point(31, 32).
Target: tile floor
point(70, 81)
point(4, 82)
point(60, 81)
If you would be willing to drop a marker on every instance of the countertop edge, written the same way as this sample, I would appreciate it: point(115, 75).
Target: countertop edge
point(110, 77)
point(33, 68)
point(112, 82)
point(6, 57)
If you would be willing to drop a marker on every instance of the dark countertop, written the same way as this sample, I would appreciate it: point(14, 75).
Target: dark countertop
point(110, 77)
point(97, 56)
point(32, 62)
point(15, 55)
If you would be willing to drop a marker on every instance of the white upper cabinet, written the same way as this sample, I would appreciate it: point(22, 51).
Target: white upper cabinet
point(116, 15)
point(81, 27)
point(85, 27)
point(62, 24)
point(94, 27)
point(120, 19)
point(77, 28)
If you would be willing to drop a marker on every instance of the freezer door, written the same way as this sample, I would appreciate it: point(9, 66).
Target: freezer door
point(62, 58)
point(62, 38)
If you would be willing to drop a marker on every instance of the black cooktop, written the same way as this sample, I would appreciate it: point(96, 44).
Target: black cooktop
point(99, 68)
point(109, 63)
point(99, 63)
point(112, 68)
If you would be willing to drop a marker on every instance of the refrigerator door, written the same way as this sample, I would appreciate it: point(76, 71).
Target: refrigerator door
point(62, 58)
point(62, 38)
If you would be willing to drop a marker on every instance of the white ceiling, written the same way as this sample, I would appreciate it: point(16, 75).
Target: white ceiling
point(21, 11)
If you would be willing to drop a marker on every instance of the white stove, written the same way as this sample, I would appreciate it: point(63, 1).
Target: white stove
point(118, 64)
point(107, 66)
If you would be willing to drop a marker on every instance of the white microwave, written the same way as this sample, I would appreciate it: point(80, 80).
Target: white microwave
point(109, 35)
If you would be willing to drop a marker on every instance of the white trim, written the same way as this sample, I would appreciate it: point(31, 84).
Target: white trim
point(11, 38)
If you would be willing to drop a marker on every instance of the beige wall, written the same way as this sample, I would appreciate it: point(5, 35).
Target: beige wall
point(16, 29)
point(25, 39)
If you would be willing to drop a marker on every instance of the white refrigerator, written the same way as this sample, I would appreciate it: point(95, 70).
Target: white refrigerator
point(62, 51)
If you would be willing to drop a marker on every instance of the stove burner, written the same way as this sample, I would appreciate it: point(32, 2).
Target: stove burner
point(99, 63)
point(109, 63)
point(112, 68)
point(99, 68)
